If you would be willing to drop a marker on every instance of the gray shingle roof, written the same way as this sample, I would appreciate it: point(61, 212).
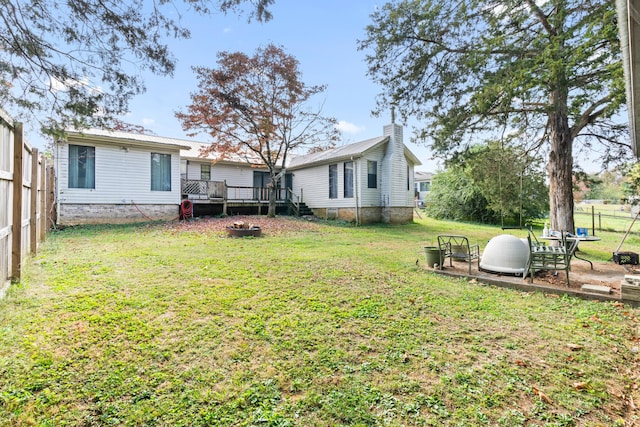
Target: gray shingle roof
point(344, 152)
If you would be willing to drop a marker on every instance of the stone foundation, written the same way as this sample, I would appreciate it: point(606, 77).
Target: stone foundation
point(76, 214)
point(397, 215)
point(369, 215)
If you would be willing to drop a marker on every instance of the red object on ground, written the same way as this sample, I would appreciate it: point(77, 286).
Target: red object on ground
point(186, 209)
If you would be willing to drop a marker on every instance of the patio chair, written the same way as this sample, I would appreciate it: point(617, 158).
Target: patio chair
point(543, 256)
point(458, 248)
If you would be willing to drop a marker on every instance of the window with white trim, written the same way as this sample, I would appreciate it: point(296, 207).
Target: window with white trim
point(160, 172)
point(333, 181)
point(348, 179)
point(82, 166)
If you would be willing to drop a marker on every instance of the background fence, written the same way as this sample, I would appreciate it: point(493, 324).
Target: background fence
point(26, 194)
point(606, 217)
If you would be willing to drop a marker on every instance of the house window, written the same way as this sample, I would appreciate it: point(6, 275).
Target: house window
point(183, 169)
point(425, 186)
point(82, 166)
point(333, 181)
point(205, 172)
point(348, 179)
point(160, 172)
point(372, 174)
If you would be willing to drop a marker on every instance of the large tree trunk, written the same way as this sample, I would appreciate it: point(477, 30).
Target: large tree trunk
point(560, 166)
point(273, 189)
point(271, 213)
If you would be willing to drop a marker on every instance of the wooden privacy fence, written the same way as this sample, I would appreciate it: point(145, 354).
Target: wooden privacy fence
point(26, 191)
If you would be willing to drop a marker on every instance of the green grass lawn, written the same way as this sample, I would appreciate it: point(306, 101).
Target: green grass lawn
point(314, 324)
point(608, 217)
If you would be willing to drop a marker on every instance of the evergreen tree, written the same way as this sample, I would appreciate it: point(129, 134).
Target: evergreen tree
point(548, 71)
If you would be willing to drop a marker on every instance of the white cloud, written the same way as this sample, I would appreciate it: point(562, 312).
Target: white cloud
point(148, 122)
point(347, 127)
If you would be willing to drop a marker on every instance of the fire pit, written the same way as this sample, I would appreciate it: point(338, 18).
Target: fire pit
point(505, 254)
point(241, 229)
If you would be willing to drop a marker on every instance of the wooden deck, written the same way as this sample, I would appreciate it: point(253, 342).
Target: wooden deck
point(229, 200)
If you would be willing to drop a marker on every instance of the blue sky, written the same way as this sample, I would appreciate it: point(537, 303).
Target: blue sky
point(321, 35)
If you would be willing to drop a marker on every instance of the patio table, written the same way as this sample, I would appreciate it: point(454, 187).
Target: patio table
point(580, 239)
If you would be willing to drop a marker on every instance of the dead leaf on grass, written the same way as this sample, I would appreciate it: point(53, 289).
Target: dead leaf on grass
point(626, 399)
point(582, 385)
point(574, 347)
point(542, 396)
point(522, 363)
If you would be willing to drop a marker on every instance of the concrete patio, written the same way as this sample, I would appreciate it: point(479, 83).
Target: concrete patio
point(585, 282)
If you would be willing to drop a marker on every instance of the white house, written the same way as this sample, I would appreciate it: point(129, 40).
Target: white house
point(423, 186)
point(111, 177)
point(365, 182)
point(116, 177)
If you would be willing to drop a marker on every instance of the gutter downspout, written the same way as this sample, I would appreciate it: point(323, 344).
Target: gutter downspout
point(624, 31)
point(357, 188)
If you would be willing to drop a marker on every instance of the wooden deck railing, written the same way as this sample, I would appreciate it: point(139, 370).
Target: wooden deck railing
point(197, 189)
point(203, 189)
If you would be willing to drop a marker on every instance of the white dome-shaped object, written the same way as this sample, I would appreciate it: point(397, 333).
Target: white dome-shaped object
point(505, 254)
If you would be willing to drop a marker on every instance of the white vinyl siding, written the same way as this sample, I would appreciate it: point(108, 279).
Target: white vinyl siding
point(314, 183)
point(233, 174)
point(121, 176)
point(317, 193)
point(410, 194)
point(397, 173)
point(371, 196)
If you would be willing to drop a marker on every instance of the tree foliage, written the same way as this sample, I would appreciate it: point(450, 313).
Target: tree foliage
point(79, 62)
point(490, 183)
point(609, 185)
point(258, 107)
point(549, 72)
point(632, 175)
point(455, 196)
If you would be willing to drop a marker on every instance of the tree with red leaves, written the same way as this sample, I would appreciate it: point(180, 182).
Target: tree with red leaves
point(257, 107)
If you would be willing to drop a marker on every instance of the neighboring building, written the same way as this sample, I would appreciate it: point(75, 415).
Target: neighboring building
point(112, 177)
point(423, 187)
point(365, 182)
point(116, 177)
